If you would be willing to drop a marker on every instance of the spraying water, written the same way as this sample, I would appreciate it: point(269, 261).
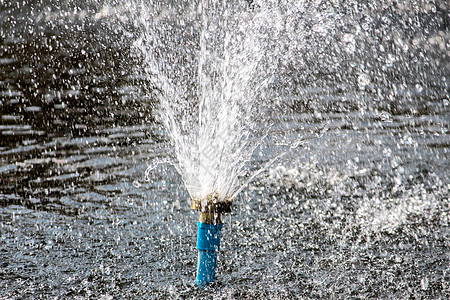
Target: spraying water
point(206, 104)
point(215, 69)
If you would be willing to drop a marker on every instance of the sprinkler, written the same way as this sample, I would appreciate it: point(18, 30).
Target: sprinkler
point(208, 235)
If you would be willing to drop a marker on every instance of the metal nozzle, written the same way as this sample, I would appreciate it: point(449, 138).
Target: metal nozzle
point(211, 208)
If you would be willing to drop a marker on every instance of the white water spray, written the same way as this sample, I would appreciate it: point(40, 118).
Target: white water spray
point(214, 95)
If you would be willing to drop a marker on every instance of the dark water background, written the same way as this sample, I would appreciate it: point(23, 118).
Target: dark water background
point(361, 211)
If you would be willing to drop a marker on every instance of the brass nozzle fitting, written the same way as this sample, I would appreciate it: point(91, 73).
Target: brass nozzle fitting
point(211, 208)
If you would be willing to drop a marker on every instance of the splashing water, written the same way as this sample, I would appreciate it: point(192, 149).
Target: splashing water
point(209, 93)
point(215, 68)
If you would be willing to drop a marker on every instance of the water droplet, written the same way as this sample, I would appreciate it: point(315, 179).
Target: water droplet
point(363, 80)
point(419, 88)
point(424, 283)
point(136, 184)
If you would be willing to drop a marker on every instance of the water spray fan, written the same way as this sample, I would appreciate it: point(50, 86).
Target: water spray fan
point(208, 235)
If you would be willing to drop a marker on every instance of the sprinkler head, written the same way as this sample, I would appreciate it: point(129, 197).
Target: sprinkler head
point(208, 235)
point(211, 208)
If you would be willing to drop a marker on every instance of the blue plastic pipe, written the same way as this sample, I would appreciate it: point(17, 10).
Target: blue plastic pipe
point(208, 244)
